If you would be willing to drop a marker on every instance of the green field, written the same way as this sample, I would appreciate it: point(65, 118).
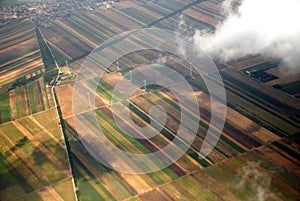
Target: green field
point(26, 165)
point(4, 107)
point(48, 59)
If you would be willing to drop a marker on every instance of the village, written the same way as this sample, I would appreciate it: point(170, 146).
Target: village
point(44, 12)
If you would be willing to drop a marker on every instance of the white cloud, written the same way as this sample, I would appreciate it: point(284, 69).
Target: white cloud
point(260, 26)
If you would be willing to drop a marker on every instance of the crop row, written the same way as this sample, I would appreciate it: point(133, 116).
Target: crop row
point(24, 100)
point(32, 157)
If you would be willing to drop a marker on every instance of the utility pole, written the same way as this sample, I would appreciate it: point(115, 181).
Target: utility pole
point(118, 67)
point(88, 95)
point(145, 85)
point(191, 71)
point(130, 74)
point(68, 68)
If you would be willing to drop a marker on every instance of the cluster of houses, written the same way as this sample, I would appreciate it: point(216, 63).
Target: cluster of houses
point(46, 11)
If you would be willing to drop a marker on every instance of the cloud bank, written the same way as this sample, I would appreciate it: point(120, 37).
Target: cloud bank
point(264, 27)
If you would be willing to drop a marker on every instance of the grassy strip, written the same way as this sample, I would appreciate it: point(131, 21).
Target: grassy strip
point(19, 102)
point(5, 113)
point(40, 94)
point(59, 57)
point(48, 60)
point(99, 89)
point(30, 94)
point(47, 97)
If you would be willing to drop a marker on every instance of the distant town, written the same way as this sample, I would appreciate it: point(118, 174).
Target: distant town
point(43, 12)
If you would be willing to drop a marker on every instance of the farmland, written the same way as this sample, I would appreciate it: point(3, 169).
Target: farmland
point(245, 145)
point(249, 145)
point(25, 100)
point(257, 156)
point(75, 37)
point(283, 78)
point(33, 160)
point(260, 119)
point(20, 54)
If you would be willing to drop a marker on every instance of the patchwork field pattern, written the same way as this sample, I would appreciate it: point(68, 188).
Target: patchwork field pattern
point(25, 100)
point(252, 141)
point(257, 155)
point(34, 164)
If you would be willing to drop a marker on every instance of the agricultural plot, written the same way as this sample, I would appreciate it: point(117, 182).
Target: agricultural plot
point(34, 164)
point(90, 176)
point(190, 23)
point(143, 15)
point(285, 77)
point(64, 43)
point(172, 5)
point(5, 112)
point(184, 179)
point(247, 176)
point(204, 16)
point(242, 96)
point(201, 16)
point(258, 150)
point(276, 99)
point(29, 99)
point(292, 88)
point(75, 37)
point(248, 61)
point(20, 54)
point(24, 100)
point(241, 135)
point(268, 70)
